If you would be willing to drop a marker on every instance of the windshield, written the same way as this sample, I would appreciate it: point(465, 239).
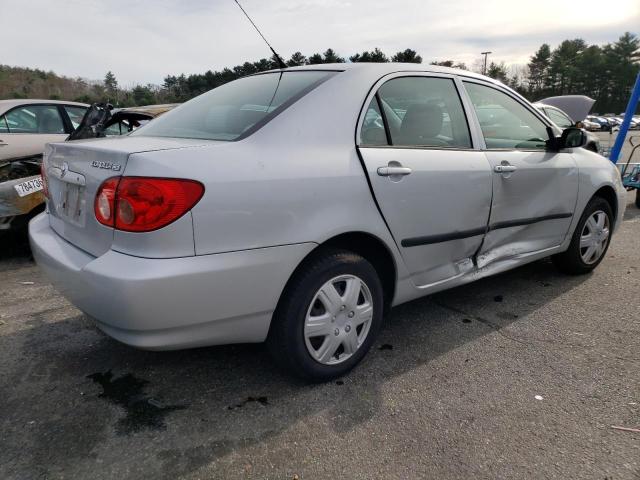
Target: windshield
point(237, 109)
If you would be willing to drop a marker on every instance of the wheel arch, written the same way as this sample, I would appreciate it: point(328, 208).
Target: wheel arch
point(370, 247)
point(608, 193)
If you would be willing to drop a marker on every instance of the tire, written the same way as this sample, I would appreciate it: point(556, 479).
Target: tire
point(577, 259)
point(291, 341)
point(638, 197)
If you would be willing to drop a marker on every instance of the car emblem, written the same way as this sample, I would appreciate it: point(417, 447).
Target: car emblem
point(64, 169)
point(106, 165)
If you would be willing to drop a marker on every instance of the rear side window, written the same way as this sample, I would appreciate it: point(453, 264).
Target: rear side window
point(373, 132)
point(506, 123)
point(423, 111)
point(3, 125)
point(35, 119)
point(236, 109)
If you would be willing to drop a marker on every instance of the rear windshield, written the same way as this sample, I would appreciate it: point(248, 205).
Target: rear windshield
point(237, 109)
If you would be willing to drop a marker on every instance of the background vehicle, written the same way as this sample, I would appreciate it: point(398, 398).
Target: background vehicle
point(20, 183)
point(295, 206)
point(563, 120)
point(103, 121)
point(25, 127)
point(601, 121)
point(590, 126)
point(633, 125)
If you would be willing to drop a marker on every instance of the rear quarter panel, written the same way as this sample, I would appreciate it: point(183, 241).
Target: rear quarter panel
point(298, 179)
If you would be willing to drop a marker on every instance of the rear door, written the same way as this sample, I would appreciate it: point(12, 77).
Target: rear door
point(432, 186)
point(534, 190)
point(25, 130)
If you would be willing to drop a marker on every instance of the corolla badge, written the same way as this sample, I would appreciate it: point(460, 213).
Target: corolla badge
point(106, 165)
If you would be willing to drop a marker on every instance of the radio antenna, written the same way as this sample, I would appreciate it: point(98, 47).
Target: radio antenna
point(281, 64)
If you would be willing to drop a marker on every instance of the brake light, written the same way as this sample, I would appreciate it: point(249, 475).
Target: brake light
point(104, 206)
point(143, 204)
point(43, 176)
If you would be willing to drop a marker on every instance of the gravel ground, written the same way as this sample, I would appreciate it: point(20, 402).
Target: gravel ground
point(516, 376)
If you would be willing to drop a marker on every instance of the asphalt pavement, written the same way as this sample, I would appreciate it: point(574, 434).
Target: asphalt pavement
point(522, 375)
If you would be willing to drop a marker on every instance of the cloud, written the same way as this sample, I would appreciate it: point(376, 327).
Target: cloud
point(143, 41)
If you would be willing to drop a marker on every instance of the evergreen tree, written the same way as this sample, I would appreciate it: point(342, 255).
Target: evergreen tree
point(331, 57)
point(110, 82)
point(296, 60)
point(498, 71)
point(539, 71)
point(315, 59)
point(407, 56)
point(375, 56)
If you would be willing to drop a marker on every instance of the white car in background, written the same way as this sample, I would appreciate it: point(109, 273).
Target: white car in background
point(26, 126)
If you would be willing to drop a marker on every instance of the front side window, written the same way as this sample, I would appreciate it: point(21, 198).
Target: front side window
point(425, 112)
point(559, 118)
point(75, 114)
point(35, 119)
point(3, 125)
point(506, 123)
point(236, 109)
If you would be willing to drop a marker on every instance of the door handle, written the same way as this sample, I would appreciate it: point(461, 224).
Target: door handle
point(504, 168)
point(2, 144)
point(389, 171)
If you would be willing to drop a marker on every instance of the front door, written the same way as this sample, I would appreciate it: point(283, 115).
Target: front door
point(432, 186)
point(534, 190)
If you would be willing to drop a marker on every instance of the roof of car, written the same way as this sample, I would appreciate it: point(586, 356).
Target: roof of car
point(6, 105)
point(29, 101)
point(389, 67)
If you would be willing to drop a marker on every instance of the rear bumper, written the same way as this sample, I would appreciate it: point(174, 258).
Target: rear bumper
point(174, 303)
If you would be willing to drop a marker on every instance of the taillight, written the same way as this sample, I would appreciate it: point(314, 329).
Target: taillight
point(43, 175)
point(105, 204)
point(142, 204)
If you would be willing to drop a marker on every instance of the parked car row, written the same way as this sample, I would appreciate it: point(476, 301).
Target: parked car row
point(608, 122)
point(563, 120)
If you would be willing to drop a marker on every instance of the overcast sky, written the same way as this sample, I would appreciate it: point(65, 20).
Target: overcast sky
point(142, 41)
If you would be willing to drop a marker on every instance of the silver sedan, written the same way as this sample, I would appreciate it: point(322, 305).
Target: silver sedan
point(296, 206)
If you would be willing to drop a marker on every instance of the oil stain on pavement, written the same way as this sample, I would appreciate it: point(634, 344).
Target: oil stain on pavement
point(260, 400)
point(141, 410)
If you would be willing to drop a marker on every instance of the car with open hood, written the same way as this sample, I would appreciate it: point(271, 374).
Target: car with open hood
point(571, 111)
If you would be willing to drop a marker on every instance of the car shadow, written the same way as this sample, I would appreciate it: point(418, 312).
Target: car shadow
point(14, 246)
point(84, 395)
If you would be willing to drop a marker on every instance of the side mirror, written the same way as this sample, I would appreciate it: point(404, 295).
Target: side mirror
point(573, 138)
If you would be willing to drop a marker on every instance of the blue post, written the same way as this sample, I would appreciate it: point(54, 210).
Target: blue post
point(624, 128)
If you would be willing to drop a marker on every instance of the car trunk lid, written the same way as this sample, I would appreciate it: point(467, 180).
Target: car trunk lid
point(75, 171)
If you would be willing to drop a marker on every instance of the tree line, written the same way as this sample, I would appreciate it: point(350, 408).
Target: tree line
point(603, 72)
